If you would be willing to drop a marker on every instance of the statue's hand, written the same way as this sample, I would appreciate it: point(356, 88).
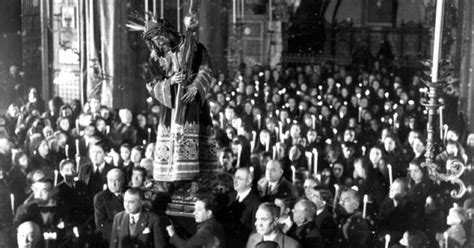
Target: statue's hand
point(191, 92)
point(177, 78)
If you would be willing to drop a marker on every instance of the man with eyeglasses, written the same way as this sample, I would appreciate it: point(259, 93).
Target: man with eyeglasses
point(242, 208)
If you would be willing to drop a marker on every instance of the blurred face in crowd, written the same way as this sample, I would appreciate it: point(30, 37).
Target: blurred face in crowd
point(359, 171)
point(125, 153)
point(337, 170)
point(42, 192)
point(200, 213)
point(229, 114)
point(349, 202)
point(137, 179)
point(273, 171)
point(349, 135)
point(295, 132)
point(132, 203)
point(242, 180)
point(28, 235)
point(150, 148)
point(389, 144)
point(68, 172)
point(115, 181)
point(416, 174)
point(411, 136)
point(375, 156)
point(64, 124)
point(248, 108)
point(23, 161)
point(96, 154)
point(452, 136)
point(270, 125)
point(300, 214)
point(141, 120)
point(43, 149)
point(311, 136)
point(226, 159)
point(397, 190)
point(315, 197)
point(265, 223)
point(453, 217)
point(89, 131)
point(249, 89)
point(94, 105)
point(100, 125)
point(418, 146)
point(452, 149)
point(136, 156)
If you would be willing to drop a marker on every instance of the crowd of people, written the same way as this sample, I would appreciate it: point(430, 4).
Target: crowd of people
point(317, 155)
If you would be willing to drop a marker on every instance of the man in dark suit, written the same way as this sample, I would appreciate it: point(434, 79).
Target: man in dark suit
point(135, 227)
point(321, 197)
point(274, 184)
point(210, 233)
point(73, 196)
point(107, 204)
point(243, 205)
point(304, 229)
point(354, 230)
point(94, 174)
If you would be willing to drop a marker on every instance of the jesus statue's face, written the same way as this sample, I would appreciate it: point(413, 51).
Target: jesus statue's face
point(160, 46)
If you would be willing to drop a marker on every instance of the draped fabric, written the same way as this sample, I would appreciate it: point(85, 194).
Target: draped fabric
point(99, 34)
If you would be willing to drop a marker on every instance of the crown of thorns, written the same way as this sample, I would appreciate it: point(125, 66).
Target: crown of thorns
point(159, 27)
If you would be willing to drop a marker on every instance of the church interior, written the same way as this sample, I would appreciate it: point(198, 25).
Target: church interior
point(237, 123)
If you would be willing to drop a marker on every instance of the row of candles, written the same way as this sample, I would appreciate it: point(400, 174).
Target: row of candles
point(162, 10)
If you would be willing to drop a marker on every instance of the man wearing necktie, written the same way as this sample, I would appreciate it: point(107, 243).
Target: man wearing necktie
point(107, 204)
point(135, 227)
point(94, 173)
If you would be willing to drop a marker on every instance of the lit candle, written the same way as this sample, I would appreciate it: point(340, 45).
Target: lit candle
point(293, 174)
point(446, 239)
point(315, 158)
point(309, 156)
point(390, 173)
point(66, 150)
point(280, 127)
point(278, 147)
point(438, 36)
point(364, 209)
point(149, 135)
point(274, 149)
point(259, 124)
point(270, 13)
point(104, 187)
point(387, 240)
point(277, 132)
point(239, 154)
point(12, 201)
point(336, 196)
point(221, 119)
point(107, 129)
point(146, 10)
point(77, 126)
point(441, 122)
point(77, 147)
point(154, 8)
point(363, 150)
point(445, 130)
point(178, 14)
point(313, 123)
point(251, 169)
point(56, 177)
point(162, 9)
point(395, 116)
point(254, 139)
point(78, 160)
point(234, 6)
point(267, 144)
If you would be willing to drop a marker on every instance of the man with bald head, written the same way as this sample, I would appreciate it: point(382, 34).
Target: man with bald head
point(274, 184)
point(243, 205)
point(28, 235)
point(304, 229)
point(108, 203)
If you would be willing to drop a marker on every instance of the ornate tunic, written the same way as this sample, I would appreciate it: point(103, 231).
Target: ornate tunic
point(195, 149)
